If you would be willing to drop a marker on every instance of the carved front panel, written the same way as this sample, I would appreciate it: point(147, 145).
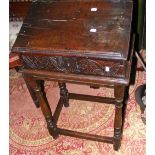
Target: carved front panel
point(75, 65)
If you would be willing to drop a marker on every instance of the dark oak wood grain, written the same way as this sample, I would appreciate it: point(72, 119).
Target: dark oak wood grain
point(112, 22)
point(18, 9)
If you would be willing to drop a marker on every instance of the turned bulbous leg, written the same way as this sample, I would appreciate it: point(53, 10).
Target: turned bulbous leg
point(119, 97)
point(64, 96)
point(52, 128)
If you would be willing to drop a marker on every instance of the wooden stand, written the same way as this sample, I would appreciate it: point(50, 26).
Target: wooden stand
point(51, 120)
point(82, 42)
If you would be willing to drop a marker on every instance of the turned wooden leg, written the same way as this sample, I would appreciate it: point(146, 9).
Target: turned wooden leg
point(64, 94)
point(33, 95)
point(44, 105)
point(119, 96)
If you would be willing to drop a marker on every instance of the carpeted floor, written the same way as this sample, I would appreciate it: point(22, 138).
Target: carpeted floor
point(29, 135)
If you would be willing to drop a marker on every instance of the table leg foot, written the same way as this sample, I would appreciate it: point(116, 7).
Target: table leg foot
point(52, 128)
point(117, 139)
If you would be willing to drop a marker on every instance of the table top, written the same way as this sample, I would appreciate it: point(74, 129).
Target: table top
point(99, 28)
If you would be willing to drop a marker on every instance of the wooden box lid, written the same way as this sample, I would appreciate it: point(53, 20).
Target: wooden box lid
point(98, 28)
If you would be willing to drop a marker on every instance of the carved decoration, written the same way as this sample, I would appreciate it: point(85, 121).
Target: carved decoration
point(74, 65)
